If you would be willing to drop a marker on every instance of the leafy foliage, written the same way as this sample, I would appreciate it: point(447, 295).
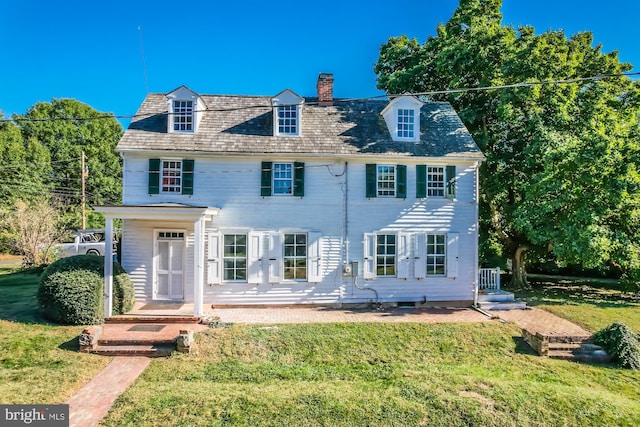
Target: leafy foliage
point(71, 290)
point(621, 343)
point(560, 174)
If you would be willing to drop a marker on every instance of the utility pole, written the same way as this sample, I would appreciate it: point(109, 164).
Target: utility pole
point(85, 173)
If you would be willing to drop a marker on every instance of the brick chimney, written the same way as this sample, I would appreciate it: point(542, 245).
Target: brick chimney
point(325, 89)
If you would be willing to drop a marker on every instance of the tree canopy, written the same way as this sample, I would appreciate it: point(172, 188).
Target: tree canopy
point(560, 174)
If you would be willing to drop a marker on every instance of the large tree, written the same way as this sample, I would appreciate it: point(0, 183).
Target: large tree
point(560, 173)
point(67, 128)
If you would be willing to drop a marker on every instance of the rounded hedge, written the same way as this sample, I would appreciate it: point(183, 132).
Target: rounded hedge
point(71, 290)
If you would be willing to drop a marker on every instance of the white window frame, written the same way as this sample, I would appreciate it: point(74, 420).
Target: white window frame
point(295, 257)
point(406, 123)
point(183, 117)
point(287, 126)
point(235, 258)
point(436, 181)
point(386, 255)
point(277, 177)
point(432, 259)
point(382, 180)
point(171, 171)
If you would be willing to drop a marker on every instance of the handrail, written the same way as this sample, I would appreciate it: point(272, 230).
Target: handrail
point(489, 278)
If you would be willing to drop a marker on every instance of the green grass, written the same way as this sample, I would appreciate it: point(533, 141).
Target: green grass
point(39, 362)
point(593, 304)
point(402, 374)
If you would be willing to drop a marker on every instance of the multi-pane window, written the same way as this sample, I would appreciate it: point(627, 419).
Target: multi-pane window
point(288, 120)
point(183, 116)
point(386, 255)
point(436, 254)
point(282, 178)
point(406, 123)
point(435, 181)
point(295, 257)
point(386, 180)
point(171, 176)
point(235, 257)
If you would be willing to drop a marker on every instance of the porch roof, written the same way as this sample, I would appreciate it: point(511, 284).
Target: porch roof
point(160, 211)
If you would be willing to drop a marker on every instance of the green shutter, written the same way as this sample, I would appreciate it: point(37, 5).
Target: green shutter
point(372, 181)
point(265, 179)
point(298, 179)
point(421, 181)
point(187, 176)
point(154, 176)
point(401, 181)
point(451, 182)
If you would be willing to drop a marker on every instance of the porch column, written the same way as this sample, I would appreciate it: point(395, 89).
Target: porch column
point(198, 265)
point(108, 267)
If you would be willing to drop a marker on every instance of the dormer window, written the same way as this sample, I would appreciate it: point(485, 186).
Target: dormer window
point(183, 116)
point(288, 120)
point(406, 122)
point(402, 117)
point(185, 108)
point(287, 108)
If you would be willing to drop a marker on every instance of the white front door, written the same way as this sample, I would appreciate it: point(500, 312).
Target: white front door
point(168, 278)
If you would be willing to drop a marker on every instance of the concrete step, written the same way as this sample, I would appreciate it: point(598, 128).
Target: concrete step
point(134, 350)
point(593, 357)
point(508, 305)
point(151, 319)
point(495, 296)
point(133, 342)
point(577, 346)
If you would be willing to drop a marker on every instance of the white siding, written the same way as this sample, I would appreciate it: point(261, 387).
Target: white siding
point(233, 185)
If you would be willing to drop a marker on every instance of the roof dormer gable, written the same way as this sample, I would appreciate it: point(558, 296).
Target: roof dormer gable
point(402, 116)
point(185, 110)
point(287, 113)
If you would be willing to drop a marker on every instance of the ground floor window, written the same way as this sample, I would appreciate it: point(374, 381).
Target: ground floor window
point(295, 257)
point(436, 254)
point(235, 257)
point(386, 255)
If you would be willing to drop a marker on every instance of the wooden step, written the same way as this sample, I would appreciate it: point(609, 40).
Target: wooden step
point(135, 350)
point(510, 305)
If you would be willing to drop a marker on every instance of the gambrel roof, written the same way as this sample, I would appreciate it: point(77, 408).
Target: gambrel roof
point(244, 125)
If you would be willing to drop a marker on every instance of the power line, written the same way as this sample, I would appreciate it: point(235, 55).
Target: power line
point(340, 100)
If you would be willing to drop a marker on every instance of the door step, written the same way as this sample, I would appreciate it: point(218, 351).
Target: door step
point(576, 348)
point(127, 318)
point(148, 350)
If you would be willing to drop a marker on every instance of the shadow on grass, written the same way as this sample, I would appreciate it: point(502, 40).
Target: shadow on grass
point(71, 345)
point(18, 297)
point(521, 347)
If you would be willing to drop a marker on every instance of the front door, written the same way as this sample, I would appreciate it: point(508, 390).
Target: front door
point(168, 283)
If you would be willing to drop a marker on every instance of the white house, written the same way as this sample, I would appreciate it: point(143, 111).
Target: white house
point(253, 200)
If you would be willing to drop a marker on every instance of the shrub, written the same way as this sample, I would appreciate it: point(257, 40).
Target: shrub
point(621, 343)
point(71, 290)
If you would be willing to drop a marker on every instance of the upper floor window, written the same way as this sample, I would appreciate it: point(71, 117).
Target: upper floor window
point(182, 116)
point(288, 120)
point(171, 176)
point(282, 178)
point(386, 181)
point(435, 181)
point(406, 123)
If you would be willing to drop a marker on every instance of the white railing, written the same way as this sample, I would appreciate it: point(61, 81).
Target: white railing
point(489, 278)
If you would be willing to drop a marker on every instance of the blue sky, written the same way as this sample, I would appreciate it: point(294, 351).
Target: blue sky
point(92, 51)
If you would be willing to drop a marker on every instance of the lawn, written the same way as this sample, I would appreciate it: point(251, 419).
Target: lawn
point(354, 374)
point(593, 304)
point(39, 362)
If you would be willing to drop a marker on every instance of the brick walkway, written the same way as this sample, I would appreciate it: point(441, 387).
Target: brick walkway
point(92, 402)
point(535, 321)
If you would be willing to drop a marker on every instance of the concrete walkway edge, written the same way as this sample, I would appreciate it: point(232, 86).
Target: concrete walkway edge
point(92, 402)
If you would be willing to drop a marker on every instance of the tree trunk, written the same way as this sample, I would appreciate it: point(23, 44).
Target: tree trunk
point(519, 277)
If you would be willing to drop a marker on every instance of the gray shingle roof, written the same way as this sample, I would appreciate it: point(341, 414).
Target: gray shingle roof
point(244, 125)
